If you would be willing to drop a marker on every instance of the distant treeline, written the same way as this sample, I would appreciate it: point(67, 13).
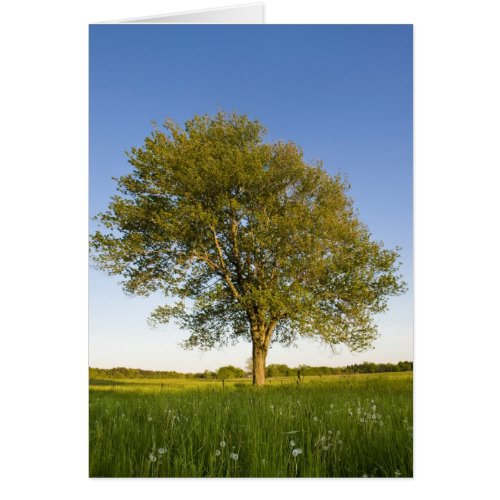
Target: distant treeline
point(271, 371)
point(285, 371)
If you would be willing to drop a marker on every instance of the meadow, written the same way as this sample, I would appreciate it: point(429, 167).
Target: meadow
point(330, 426)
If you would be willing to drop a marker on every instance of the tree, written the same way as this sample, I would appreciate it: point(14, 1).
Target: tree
point(251, 241)
point(276, 370)
point(229, 371)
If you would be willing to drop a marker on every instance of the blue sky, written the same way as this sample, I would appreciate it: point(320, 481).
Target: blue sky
point(343, 93)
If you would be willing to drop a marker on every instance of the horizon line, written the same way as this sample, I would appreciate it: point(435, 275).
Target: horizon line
point(271, 364)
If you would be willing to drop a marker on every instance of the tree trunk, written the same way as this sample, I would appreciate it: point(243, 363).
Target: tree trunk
point(259, 363)
point(261, 337)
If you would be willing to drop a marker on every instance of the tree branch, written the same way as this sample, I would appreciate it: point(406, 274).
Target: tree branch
point(223, 267)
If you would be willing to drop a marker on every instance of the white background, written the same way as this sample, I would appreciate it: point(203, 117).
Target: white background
point(44, 257)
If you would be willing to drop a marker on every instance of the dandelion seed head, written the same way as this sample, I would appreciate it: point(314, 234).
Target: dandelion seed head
point(233, 456)
point(222, 444)
point(296, 452)
point(161, 451)
point(217, 453)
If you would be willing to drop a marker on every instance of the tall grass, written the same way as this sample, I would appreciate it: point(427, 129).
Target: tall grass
point(339, 426)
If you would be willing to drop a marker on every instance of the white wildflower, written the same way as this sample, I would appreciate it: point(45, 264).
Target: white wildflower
point(233, 456)
point(315, 419)
point(296, 452)
point(161, 451)
point(152, 457)
point(292, 443)
point(217, 453)
point(222, 444)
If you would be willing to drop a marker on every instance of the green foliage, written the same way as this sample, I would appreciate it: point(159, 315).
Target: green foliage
point(251, 240)
point(207, 374)
point(276, 370)
point(120, 372)
point(273, 370)
point(229, 372)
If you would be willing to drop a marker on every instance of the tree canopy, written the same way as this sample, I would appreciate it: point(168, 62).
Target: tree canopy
point(229, 372)
point(252, 241)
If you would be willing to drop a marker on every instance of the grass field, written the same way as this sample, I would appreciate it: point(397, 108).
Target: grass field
point(330, 426)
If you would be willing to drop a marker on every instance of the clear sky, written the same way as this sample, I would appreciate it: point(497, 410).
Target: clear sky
point(342, 92)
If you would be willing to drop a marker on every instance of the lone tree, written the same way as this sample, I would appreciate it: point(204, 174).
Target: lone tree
point(250, 240)
point(229, 372)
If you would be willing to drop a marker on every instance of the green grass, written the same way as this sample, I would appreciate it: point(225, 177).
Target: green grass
point(345, 426)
